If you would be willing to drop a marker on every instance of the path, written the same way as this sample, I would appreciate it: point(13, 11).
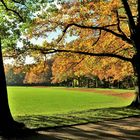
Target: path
point(123, 129)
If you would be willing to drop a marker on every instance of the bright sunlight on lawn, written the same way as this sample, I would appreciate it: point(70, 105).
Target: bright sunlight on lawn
point(48, 101)
point(44, 106)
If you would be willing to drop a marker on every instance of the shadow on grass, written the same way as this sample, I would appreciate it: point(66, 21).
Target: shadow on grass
point(38, 122)
point(123, 129)
point(110, 123)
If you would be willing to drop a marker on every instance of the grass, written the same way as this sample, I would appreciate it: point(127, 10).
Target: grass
point(73, 118)
point(48, 101)
point(40, 107)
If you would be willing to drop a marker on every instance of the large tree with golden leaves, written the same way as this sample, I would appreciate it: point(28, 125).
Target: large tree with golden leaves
point(98, 28)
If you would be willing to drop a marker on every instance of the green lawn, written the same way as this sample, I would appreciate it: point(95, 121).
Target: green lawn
point(49, 101)
point(49, 107)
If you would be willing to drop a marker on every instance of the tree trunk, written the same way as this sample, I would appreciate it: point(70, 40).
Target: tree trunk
point(6, 120)
point(136, 67)
point(5, 114)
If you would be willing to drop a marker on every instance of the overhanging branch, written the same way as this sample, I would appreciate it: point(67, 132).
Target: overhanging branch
point(103, 28)
point(14, 11)
point(49, 51)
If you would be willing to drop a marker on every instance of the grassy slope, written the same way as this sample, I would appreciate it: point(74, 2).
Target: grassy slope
point(48, 101)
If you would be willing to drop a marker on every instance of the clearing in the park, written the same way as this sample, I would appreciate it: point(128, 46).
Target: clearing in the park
point(53, 106)
point(47, 101)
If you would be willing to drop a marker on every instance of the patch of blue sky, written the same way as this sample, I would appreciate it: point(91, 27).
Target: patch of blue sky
point(52, 36)
point(29, 60)
point(69, 38)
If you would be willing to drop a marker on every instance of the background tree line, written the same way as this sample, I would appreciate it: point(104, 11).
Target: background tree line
point(58, 71)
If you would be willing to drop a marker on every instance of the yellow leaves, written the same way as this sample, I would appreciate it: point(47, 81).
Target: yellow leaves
point(64, 68)
point(112, 68)
point(100, 13)
point(69, 65)
point(36, 73)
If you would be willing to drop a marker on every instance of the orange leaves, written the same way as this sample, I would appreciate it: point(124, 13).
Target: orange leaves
point(62, 67)
point(113, 68)
point(108, 31)
point(37, 73)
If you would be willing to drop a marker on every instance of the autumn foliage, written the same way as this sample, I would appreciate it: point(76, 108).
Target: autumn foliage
point(82, 30)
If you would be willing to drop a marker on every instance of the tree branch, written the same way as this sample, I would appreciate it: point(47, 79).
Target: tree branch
point(103, 28)
point(118, 25)
point(50, 51)
point(15, 12)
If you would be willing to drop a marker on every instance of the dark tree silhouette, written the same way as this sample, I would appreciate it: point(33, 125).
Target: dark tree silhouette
point(7, 123)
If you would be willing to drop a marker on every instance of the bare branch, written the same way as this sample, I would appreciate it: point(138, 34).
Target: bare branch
point(50, 51)
point(15, 12)
point(103, 28)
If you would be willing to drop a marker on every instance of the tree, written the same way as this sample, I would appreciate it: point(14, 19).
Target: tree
point(39, 73)
point(112, 25)
point(14, 75)
point(130, 38)
point(7, 38)
point(12, 15)
point(15, 17)
point(68, 66)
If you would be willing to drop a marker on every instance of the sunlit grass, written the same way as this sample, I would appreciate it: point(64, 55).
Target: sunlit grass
point(49, 107)
point(47, 101)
